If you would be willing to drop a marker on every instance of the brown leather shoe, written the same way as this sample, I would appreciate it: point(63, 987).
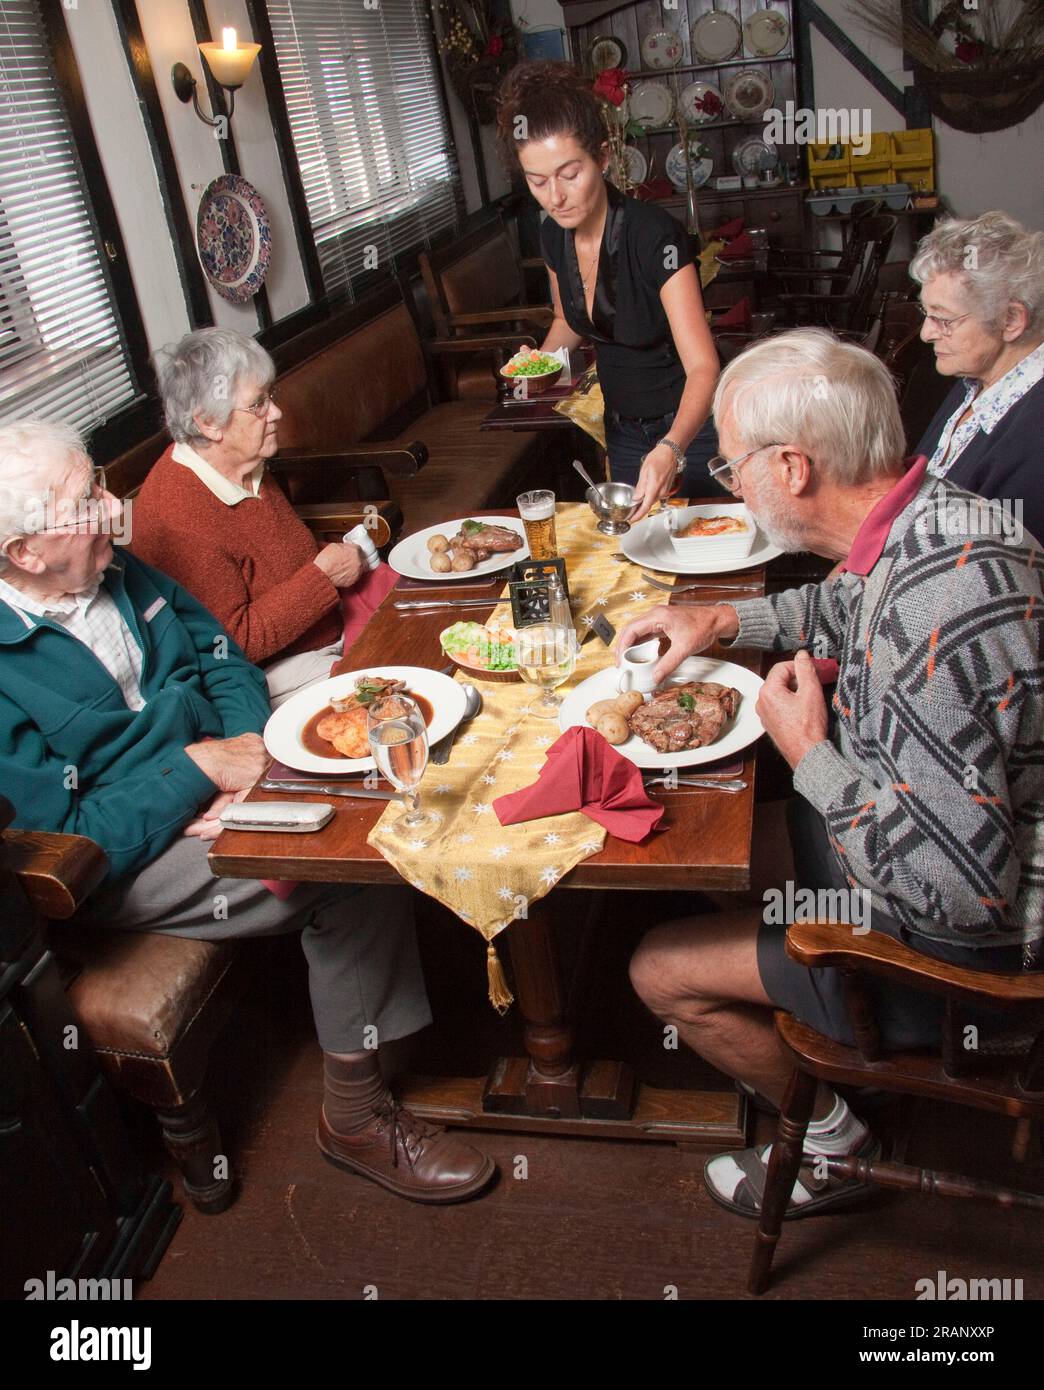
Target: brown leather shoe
point(408, 1156)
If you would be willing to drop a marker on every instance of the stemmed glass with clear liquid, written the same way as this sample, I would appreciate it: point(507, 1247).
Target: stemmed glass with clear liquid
point(546, 658)
point(399, 743)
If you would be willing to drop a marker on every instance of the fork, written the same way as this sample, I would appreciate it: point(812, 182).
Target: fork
point(739, 588)
point(707, 783)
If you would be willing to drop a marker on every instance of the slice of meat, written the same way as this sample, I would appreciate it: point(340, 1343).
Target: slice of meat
point(347, 731)
point(498, 540)
point(685, 716)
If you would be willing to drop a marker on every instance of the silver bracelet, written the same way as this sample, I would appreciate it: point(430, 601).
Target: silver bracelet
point(679, 457)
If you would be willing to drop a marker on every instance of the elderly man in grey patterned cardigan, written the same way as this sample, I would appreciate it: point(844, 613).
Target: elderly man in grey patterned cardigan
point(922, 809)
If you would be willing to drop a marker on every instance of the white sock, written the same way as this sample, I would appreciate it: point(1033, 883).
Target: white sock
point(839, 1132)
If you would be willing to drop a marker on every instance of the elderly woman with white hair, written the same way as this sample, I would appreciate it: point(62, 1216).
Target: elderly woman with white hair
point(918, 815)
point(982, 296)
point(211, 517)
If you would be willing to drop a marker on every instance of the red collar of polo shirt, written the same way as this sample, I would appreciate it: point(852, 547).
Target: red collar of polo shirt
point(872, 536)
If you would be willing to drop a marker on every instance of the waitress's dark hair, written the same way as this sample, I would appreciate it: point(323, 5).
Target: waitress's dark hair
point(540, 99)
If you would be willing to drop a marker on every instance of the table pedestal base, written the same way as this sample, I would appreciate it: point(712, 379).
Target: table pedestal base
point(710, 1120)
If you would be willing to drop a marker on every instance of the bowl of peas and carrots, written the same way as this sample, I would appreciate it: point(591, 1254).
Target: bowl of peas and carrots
point(538, 370)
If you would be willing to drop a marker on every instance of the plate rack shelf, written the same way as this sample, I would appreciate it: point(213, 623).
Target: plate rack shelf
point(779, 209)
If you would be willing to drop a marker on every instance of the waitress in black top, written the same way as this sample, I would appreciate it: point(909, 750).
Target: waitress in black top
point(622, 274)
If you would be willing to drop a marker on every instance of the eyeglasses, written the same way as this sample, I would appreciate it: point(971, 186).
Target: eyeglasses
point(728, 469)
point(85, 514)
point(258, 408)
point(945, 326)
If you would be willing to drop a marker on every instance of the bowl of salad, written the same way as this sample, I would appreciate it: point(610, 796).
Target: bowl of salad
point(538, 370)
point(488, 650)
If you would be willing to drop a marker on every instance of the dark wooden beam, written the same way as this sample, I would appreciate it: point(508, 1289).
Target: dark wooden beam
point(810, 13)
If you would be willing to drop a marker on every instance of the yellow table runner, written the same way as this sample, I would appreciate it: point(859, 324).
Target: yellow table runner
point(486, 873)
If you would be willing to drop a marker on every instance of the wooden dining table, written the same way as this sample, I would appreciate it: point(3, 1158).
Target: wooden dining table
point(702, 842)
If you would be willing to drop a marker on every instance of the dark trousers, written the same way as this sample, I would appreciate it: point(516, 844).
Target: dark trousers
point(628, 440)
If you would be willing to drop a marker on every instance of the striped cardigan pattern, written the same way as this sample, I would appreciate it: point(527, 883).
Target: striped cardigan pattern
point(932, 785)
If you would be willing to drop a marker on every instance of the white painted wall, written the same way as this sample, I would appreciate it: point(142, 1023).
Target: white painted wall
point(129, 170)
point(975, 173)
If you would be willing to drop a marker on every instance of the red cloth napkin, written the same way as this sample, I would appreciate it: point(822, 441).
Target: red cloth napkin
point(584, 773)
point(728, 230)
point(736, 317)
point(741, 248)
point(361, 601)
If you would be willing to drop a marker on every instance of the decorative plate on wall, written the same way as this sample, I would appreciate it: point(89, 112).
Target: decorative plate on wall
point(716, 36)
point(635, 163)
point(701, 102)
point(652, 104)
point(749, 93)
point(753, 157)
point(234, 237)
point(662, 49)
point(606, 51)
point(702, 165)
point(767, 32)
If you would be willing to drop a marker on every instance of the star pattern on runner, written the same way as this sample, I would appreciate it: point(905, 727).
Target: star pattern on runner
point(463, 874)
point(499, 851)
point(550, 876)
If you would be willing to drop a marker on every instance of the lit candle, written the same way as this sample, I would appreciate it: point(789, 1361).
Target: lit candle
point(230, 61)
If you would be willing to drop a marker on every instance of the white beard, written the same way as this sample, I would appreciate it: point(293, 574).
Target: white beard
point(787, 535)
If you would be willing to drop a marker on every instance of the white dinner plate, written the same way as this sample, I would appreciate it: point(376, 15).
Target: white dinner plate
point(652, 104)
point(283, 731)
point(649, 545)
point(749, 94)
point(741, 731)
point(411, 557)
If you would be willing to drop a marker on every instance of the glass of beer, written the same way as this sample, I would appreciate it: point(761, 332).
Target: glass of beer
point(537, 510)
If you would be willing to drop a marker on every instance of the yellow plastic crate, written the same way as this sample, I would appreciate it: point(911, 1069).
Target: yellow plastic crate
point(913, 159)
point(829, 173)
point(872, 167)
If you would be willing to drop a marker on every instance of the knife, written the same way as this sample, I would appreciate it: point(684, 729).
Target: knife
point(328, 790)
point(429, 603)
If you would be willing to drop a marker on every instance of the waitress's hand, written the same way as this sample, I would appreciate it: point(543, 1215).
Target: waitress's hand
point(656, 480)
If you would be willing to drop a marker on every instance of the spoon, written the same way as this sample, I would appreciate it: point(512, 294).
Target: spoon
point(473, 703)
point(584, 474)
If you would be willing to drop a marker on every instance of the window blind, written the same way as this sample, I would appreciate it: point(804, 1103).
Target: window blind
point(61, 350)
point(376, 158)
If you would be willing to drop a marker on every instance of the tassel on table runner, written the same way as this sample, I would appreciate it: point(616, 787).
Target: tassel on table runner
point(499, 995)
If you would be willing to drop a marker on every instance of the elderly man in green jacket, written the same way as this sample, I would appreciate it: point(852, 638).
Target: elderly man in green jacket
point(129, 716)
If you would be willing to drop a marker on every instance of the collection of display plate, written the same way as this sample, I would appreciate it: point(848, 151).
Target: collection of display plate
point(715, 37)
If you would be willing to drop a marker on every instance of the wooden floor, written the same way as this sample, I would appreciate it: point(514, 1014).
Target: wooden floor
point(591, 1220)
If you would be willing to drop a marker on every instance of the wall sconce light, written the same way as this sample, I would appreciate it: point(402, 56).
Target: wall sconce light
point(229, 62)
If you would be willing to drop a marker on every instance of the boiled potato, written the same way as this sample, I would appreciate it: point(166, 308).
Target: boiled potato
point(629, 701)
point(437, 543)
point(441, 562)
point(613, 728)
point(463, 560)
point(599, 710)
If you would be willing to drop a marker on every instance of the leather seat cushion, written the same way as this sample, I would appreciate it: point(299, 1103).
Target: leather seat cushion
point(467, 469)
point(140, 992)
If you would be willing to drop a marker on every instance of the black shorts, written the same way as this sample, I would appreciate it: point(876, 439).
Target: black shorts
point(906, 1018)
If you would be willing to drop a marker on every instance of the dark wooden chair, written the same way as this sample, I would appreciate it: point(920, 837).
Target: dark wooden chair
point(476, 290)
point(847, 301)
point(151, 1005)
point(1003, 1075)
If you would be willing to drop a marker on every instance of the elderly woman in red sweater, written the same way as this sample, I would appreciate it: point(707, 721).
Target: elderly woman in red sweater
point(211, 517)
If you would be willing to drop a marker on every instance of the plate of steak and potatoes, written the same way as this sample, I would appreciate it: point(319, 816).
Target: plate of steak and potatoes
point(702, 712)
point(461, 549)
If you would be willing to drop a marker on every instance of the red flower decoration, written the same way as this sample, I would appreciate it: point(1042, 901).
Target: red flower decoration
point(495, 47)
point(970, 50)
point(708, 104)
point(610, 85)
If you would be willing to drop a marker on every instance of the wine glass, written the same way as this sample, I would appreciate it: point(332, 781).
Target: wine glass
point(399, 743)
point(546, 656)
